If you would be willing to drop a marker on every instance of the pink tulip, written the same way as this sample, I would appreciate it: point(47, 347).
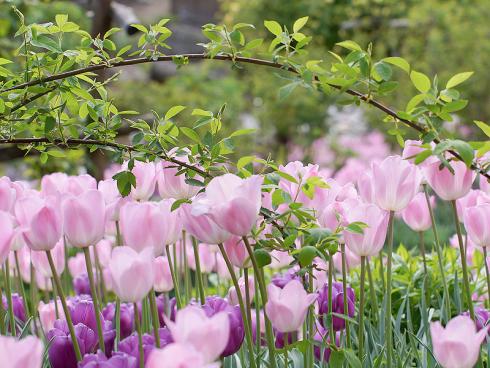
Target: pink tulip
point(476, 223)
point(232, 202)
point(172, 221)
point(457, 345)
point(163, 277)
point(471, 199)
point(413, 148)
point(47, 314)
point(221, 268)
point(395, 183)
point(136, 216)
point(171, 185)
point(280, 259)
point(132, 273)
point(371, 241)
point(232, 294)
point(81, 183)
point(55, 184)
point(365, 187)
point(103, 249)
point(8, 194)
point(177, 355)
point(237, 252)
point(416, 215)
point(449, 186)
point(145, 173)
point(41, 264)
point(6, 235)
point(24, 255)
point(208, 335)
point(76, 265)
point(112, 198)
point(203, 227)
point(24, 353)
point(18, 242)
point(207, 258)
point(351, 260)
point(43, 226)
point(287, 307)
point(84, 218)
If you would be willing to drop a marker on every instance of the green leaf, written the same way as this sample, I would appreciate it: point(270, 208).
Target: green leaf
point(140, 27)
point(383, 70)
point(263, 257)
point(190, 133)
point(5, 61)
point(414, 101)
point(174, 110)
point(458, 79)
point(350, 45)
point(455, 106)
point(178, 203)
point(300, 23)
point(237, 133)
point(352, 359)
point(422, 156)
point(420, 81)
point(464, 149)
point(56, 153)
point(273, 27)
point(306, 255)
point(125, 180)
point(201, 112)
point(483, 126)
point(399, 62)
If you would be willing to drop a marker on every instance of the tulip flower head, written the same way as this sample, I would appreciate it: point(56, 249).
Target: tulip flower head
point(24, 353)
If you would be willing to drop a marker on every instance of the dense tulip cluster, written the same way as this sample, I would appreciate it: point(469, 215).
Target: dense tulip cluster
point(173, 275)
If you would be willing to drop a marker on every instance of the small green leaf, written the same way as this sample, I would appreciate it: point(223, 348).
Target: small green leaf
point(300, 23)
point(483, 126)
point(174, 110)
point(263, 257)
point(178, 203)
point(190, 133)
point(399, 62)
point(414, 101)
point(350, 45)
point(306, 255)
point(458, 79)
point(464, 149)
point(273, 27)
point(420, 81)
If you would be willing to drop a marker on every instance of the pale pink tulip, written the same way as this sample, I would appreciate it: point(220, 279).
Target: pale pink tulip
point(8, 194)
point(237, 252)
point(471, 199)
point(43, 226)
point(458, 344)
point(24, 353)
point(232, 202)
point(287, 307)
point(416, 215)
point(449, 186)
point(103, 249)
point(232, 294)
point(55, 184)
point(207, 258)
point(132, 273)
point(395, 183)
point(172, 220)
point(365, 186)
point(47, 314)
point(80, 183)
point(143, 226)
point(76, 265)
point(41, 264)
point(351, 260)
point(371, 241)
point(476, 223)
point(203, 227)
point(171, 185)
point(18, 242)
point(208, 335)
point(177, 355)
point(145, 173)
point(112, 198)
point(163, 277)
point(84, 217)
point(6, 235)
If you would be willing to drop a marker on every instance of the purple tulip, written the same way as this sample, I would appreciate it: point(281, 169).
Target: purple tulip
point(215, 304)
point(81, 284)
point(61, 353)
point(280, 280)
point(130, 344)
point(99, 360)
point(321, 336)
point(280, 339)
point(160, 302)
point(18, 306)
point(337, 304)
point(127, 317)
point(482, 317)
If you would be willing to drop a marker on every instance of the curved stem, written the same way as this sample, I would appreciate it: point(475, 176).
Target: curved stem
point(466, 279)
point(66, 311)
point(247, 296)
point(361, 309)
point(154, 318)
point(344, 287)
point(388, 334)
point(8, 292)
point(263, 294)
point(140, 336)
point(372, 291)
point(200, 284)
point(117, 319)
point(243, 310)
point(95, 299)
point(439, 256)
point(174, 280)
